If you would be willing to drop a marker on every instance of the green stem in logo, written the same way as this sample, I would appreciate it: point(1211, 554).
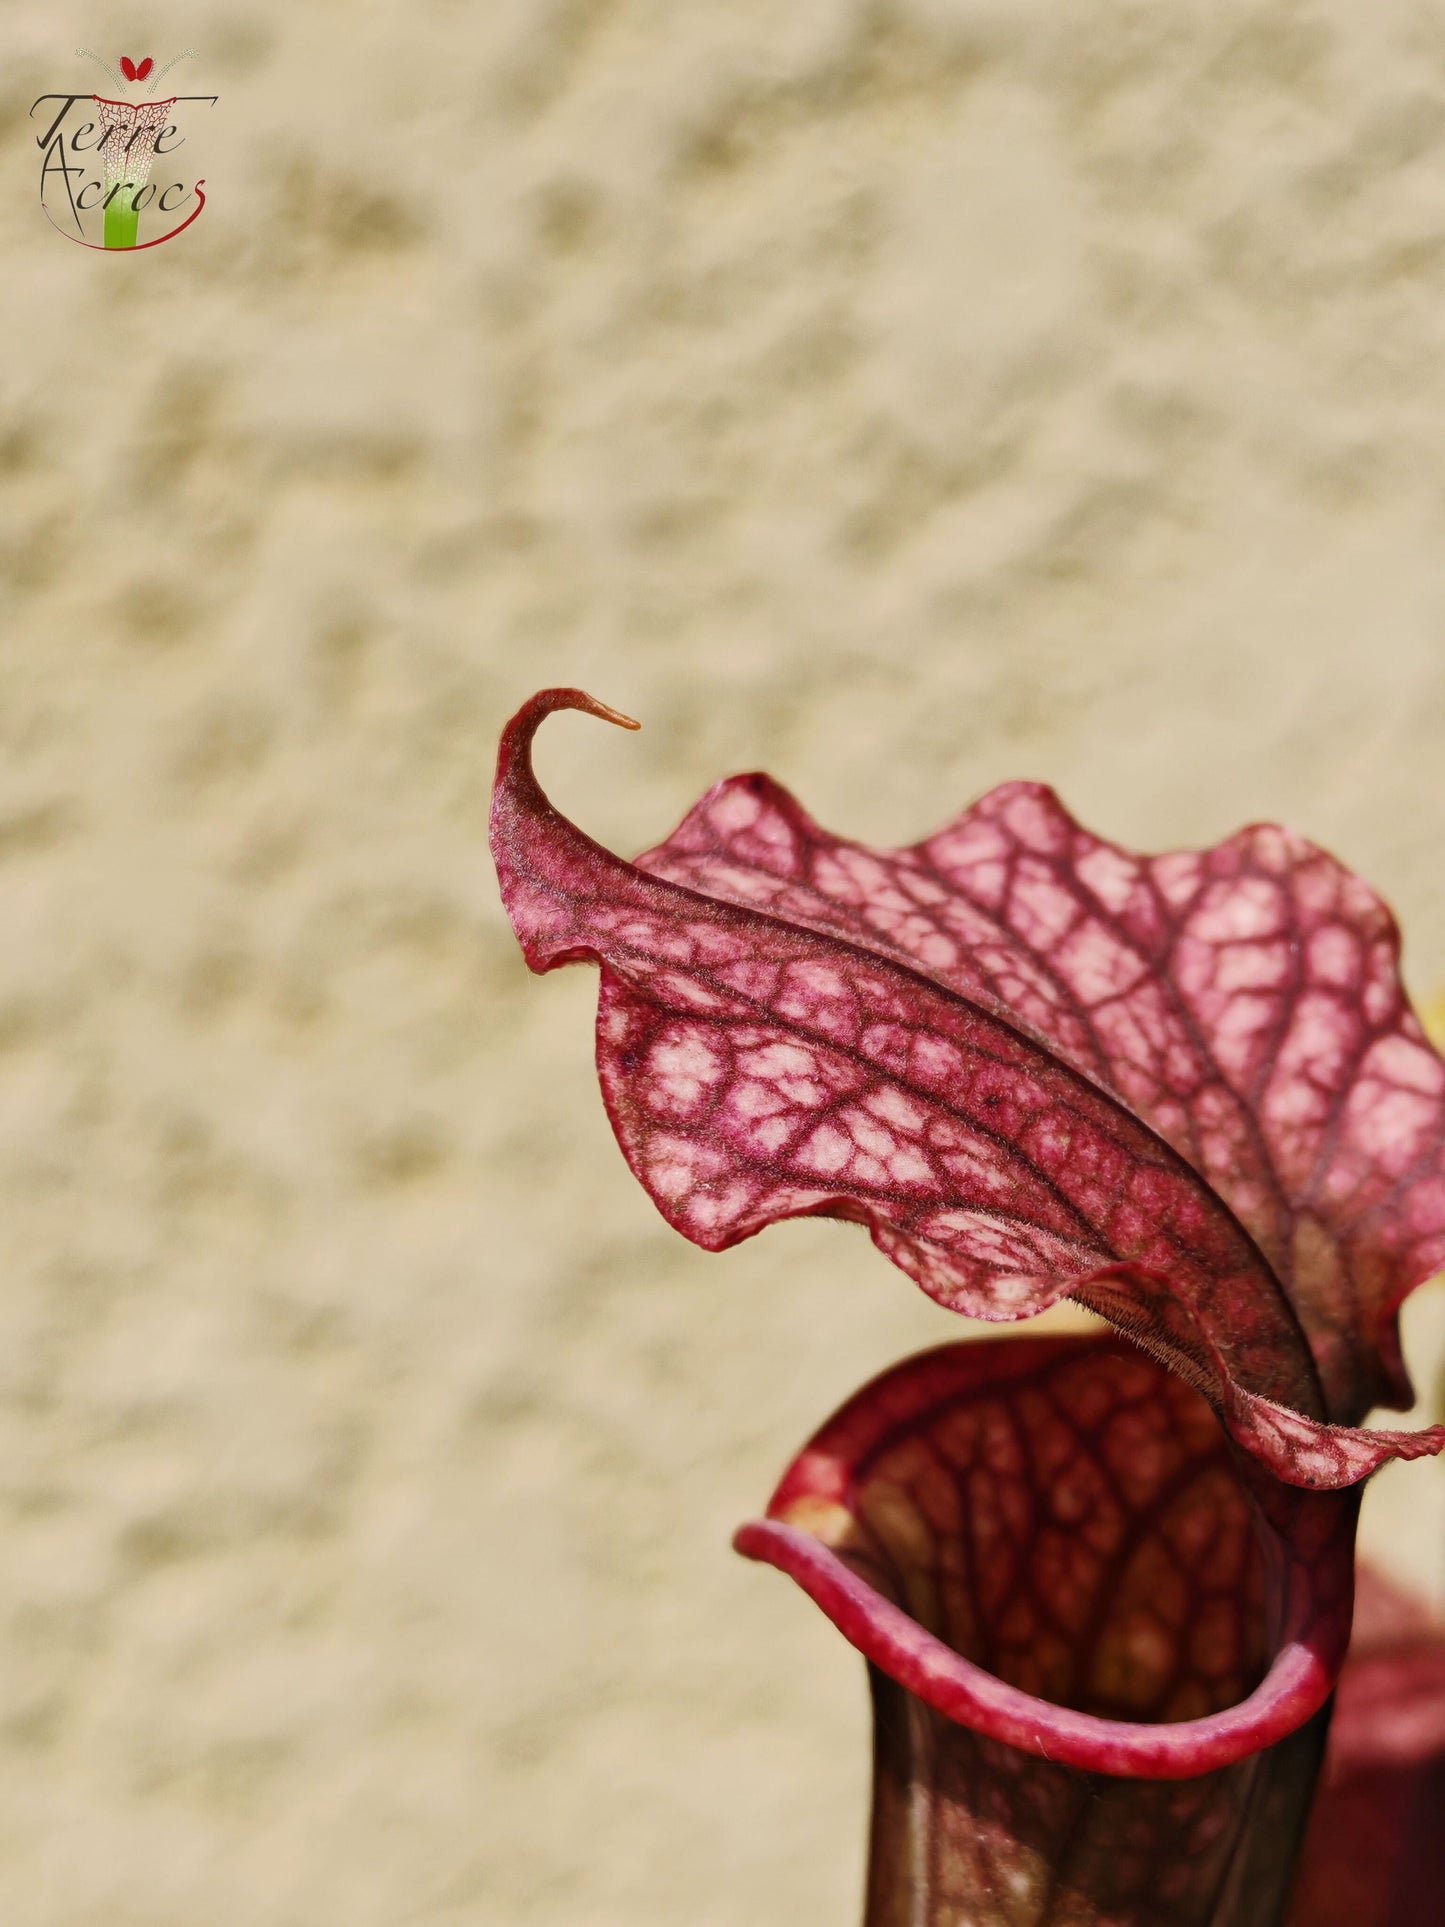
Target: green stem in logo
point(121, 221)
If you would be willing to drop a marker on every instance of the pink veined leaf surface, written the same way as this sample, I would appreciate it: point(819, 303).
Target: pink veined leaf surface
point(1244, 1001)
point(1096, 1666)
point(763, 1055)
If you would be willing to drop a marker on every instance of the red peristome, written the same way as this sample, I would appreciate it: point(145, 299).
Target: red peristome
point(770, 1046)
point(1296, 1688)
point(1049, 1541)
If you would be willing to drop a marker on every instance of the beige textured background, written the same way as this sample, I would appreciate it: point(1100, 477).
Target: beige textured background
point(897, 394)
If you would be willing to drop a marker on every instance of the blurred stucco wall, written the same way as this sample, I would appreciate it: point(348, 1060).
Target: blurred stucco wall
point(897, 396)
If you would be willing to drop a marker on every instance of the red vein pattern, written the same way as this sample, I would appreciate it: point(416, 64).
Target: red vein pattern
point(1244, 1001)
point(1046, 1549)
point(763, 1063)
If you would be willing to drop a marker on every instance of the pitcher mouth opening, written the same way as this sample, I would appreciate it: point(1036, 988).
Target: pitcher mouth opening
point(1053, 1543)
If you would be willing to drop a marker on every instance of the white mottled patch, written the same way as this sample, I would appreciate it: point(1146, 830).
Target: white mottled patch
point(1035, 822)
point(862, 872)
point(1250, 966)
point(751, 1099)
point(1316, 889)
point(1387, 1124)
point(1274, 847)
point(1415, 1067)
point(1237, 1026)
point(905, 1166)
point(924, 890)
point(1234, 912)
point(933, 1058)
point(989, 881)
point(1321, 1031)
point(1177, 876)
point(685, 1056)
point(670, 1176)
point(1291, 1102)
point(1049, 1141)
point(1112, 876)
point(778, 1060)
point(681, 1071)
point(770, 1135)
point(827, 1151)
point(815, 979)
point(895, 1107)
point(734, 811)
point(1334, 957)
point(777, 837)
point(1096, 965)
point(973, 840)
point(758, 980)
point(930, 947)
point(688, 991)
point(1040, 911)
